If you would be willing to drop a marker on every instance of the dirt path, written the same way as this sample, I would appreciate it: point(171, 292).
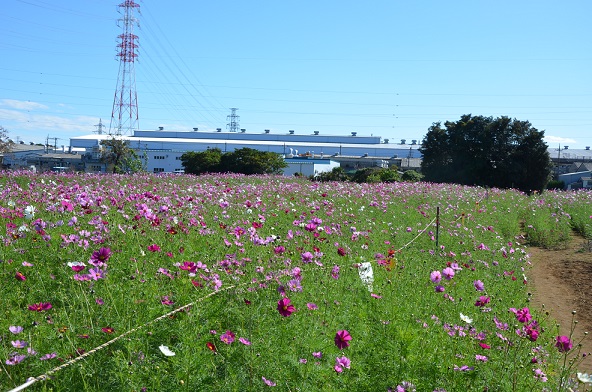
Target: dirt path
point(561, 281)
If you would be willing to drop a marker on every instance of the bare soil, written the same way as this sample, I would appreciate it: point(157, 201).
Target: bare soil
point(560, 282)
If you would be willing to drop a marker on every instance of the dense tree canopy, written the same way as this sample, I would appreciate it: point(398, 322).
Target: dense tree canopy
point(478, 150)
point(243, 160)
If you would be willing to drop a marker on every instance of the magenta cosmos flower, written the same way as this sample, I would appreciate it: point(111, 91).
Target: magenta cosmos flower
point(227, 337)
point(563, 343)
point(342, 339)
point(100, 256)
point(40, 307)
point(285, 307)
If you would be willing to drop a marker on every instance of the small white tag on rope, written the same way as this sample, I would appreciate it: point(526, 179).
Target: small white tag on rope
point(366, 274)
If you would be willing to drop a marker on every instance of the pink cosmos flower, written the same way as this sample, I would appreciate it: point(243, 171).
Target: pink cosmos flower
point(40, 307)
point(244, 341)
point(15, 329)
point(436, 276)
point(20, 276)
point(342, 339)
point(15, 359)
point(335, 272)
point(19, 343)
point(479, 286)
point(317, 354)
point(523, 315)
point(481, 358)
point(48, 356)
point(307, 257)
point(563, 343)
point(482, 301)
point(311, 306)
point(341, 363)
point(267, 382)
point(227, 337)
point(448, 273)
point(285, 307)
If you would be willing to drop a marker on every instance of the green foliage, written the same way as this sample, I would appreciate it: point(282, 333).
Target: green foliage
point(478, 150)
point(121, 157)
point(251, 161)
point(244, 161)
point(251, 234)
point(337, 174)
point(372, 175)
point(411, 176)
point(202, 162)
point(556, 184)
point(5, 142)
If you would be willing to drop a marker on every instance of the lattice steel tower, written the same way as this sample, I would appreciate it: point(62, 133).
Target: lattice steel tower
point(233, 125)
point(124, 117)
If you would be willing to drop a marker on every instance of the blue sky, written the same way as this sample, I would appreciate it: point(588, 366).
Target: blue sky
point(382, 67)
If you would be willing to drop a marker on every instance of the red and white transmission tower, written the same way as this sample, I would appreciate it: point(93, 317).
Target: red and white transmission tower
point(124, 117)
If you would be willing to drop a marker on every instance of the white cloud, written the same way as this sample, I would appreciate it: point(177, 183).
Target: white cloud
point(22, 105)
point(551, 140)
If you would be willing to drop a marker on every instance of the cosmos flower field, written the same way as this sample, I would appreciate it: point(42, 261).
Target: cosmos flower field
point(234, 283)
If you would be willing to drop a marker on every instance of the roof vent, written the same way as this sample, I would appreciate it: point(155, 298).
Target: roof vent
point(413, 142)
point(565, 147)
point(291, 131)
point(267, 131)
point(403, 141)
point(243, 130)
point(386, 141)
point(316, 132)
point(218, 129)
point(195, 129)
point(587, 148)
point(160, 128)
point(354, 133)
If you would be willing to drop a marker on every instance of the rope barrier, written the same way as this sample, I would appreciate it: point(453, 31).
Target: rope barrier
point(417, 236)
point(47, 375)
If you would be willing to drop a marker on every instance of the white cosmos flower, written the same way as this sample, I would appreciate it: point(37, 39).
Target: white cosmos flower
point(584, 377)
point(466, 319)
point(166, 351)
point(10, 203)
point(29, 212)
point(366, 275)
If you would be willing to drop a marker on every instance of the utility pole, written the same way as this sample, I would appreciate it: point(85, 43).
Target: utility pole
point(233, 121)
point(124, 117)
point(100, 126)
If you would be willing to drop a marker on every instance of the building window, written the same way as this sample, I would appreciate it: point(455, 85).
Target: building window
point(178, 158)
point(159, 157)
point(158, 169)
point(95, 168)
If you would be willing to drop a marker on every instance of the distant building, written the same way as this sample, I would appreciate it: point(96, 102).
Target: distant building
point(163, 149)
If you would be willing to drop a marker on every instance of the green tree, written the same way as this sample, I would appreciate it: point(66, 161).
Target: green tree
point(336, 174)
point(376, 174)
point(478, 150)
point(5, 142)
point(411, 176)
point(121, 157)
point(250, 161)
point(202, 162)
